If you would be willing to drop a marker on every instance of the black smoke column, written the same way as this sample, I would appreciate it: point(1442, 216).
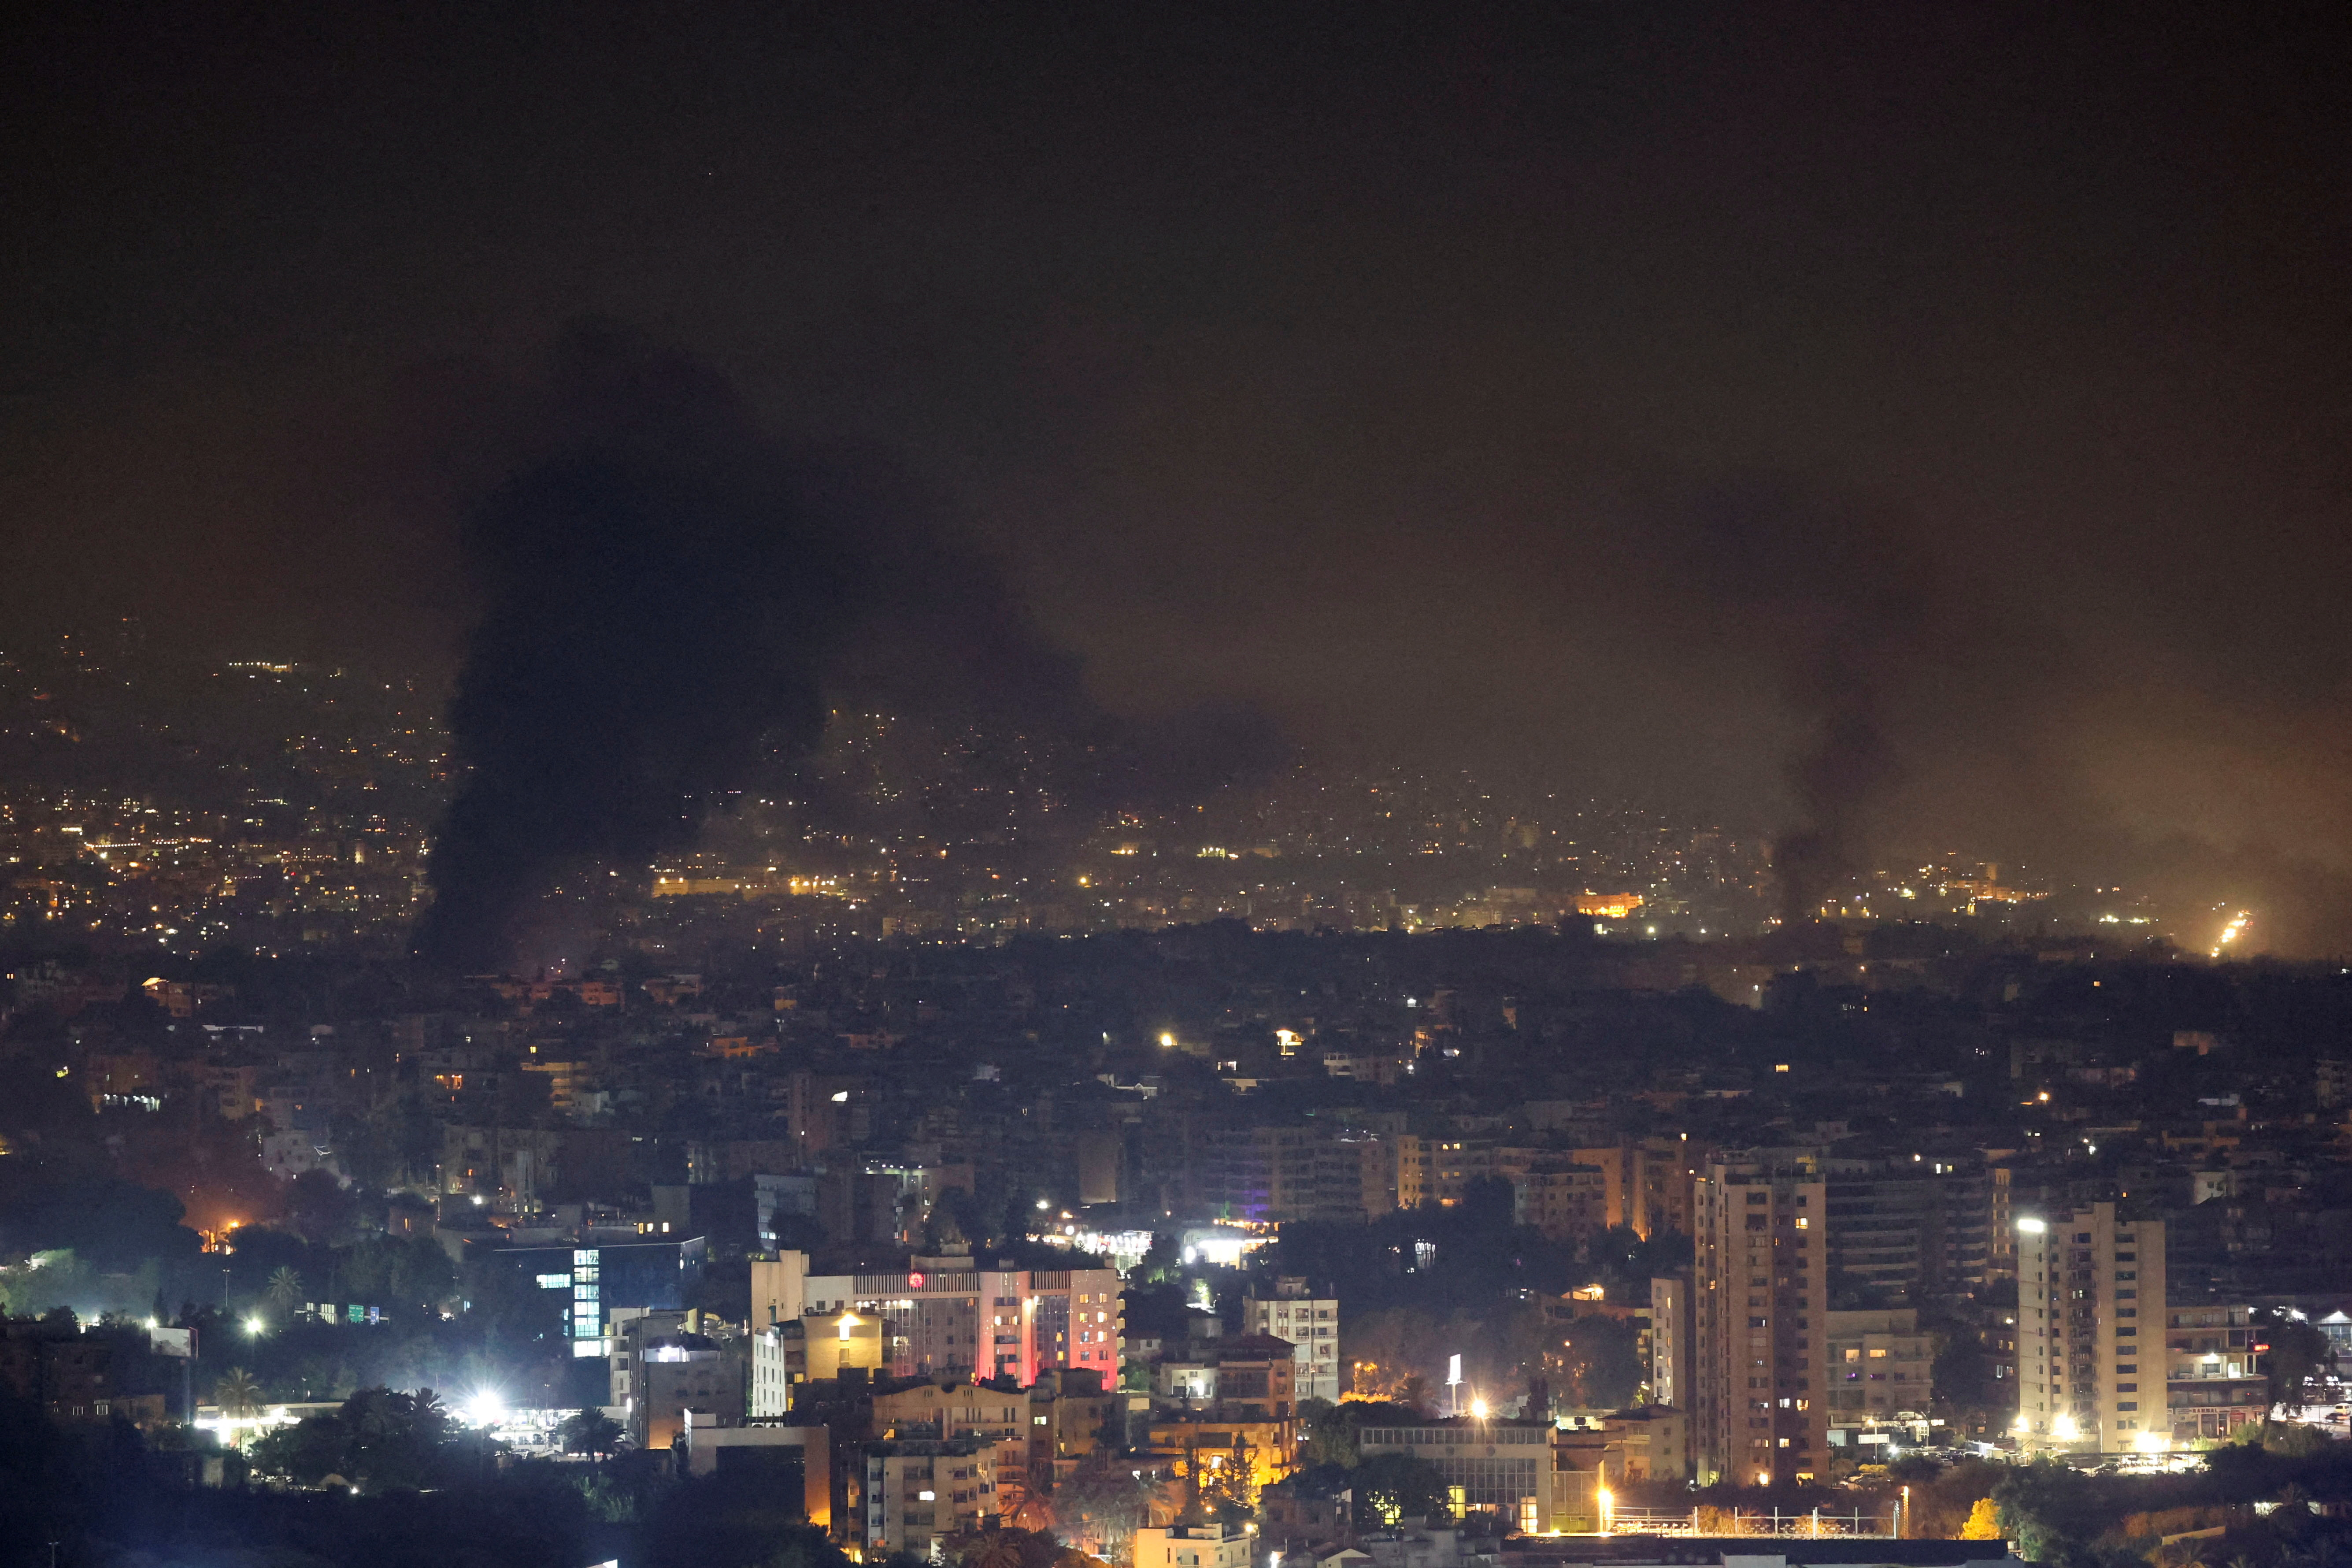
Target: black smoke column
point(658, 613)
point(1837, 599)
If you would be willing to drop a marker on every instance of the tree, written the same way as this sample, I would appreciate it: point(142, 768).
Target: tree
point(284, 1288)
point(1391, 1487)
point(1329, 1430)
point(590, 1432)
point(237, 1394)
point(381, 1438)
point(1601, 1358)
point(1222, 1489)
point(1984, 1521)
point(1384, 1350)
point(1106, 1500)
point(1002, 1549)
point(317, 1205)
point(2048, 1509)
point(2297, 1351)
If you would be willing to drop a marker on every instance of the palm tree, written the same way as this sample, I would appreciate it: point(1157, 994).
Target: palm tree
point(996, 1550)
point(237, 1394)
point(589, 1432)
point(284, 1288)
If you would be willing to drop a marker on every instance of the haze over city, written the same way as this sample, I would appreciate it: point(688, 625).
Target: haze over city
point(804, 785)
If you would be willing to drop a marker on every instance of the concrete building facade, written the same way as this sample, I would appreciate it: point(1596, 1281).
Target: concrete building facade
point(956, 1319)
point(1761, 1311)
point(2090, 1330)
point(1503, 1467)
point(1311, 1324)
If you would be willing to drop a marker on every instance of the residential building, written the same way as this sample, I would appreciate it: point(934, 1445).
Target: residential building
point(2214, 1378)
point(1906, 1227)
point(1881, 1368)
point(1069, 1411)
point(819, 1345)
point(1423, 1547)
point(66, 1374)
point(1566, 1201)
point(1193, 1546)
point(1245, 1377)
point(917, 1494)
point(1760, 1300)
point(1197, 1445)
point(1275, 1174)
point(1412, 1159)
point(1648, 1183)
point(1311, 1324)
point(2088, 1358)
point(953, 1319)
point(678, 1373)
point(1670, 1341)
point(956, 1409)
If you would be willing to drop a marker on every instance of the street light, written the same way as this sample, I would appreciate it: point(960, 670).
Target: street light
point(253, 1327)
point(1608, 1504)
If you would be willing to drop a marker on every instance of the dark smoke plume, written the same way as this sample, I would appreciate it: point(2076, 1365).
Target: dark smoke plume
point(673, 599)
point(1842, 607)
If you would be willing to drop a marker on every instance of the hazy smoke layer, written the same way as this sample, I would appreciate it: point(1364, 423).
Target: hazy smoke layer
point(1842, 608)
point(671, 600)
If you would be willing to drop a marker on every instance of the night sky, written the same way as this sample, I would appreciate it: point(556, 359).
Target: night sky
point(1616, 397)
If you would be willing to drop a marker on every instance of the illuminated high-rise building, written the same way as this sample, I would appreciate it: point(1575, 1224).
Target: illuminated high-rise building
point(2090, 1330)
point(1760, 1313)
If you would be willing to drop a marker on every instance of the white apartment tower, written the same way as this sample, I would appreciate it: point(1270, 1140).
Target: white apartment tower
point(2090, 1331)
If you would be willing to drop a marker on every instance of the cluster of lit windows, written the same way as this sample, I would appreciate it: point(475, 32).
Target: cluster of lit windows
point(587, 1288)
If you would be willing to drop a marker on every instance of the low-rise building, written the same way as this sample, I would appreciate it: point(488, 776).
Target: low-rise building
point(1069, 1413)
point(915, 1494)
point(1429, 1548)
point(1501, 1466)
point(1194, 1445)
point(951, 1408)
point(1880, 1367)
point(818, 1346)
point(1646, 1443)
point(2214, 1380)
point(1311, 1324)
point(1193, 1546)
point(776, 1451)
point(660, 1372)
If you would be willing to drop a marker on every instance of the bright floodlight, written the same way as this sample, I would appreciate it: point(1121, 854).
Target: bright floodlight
point(485, 1409)
point(254, 1325)
point(1479, 1409)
